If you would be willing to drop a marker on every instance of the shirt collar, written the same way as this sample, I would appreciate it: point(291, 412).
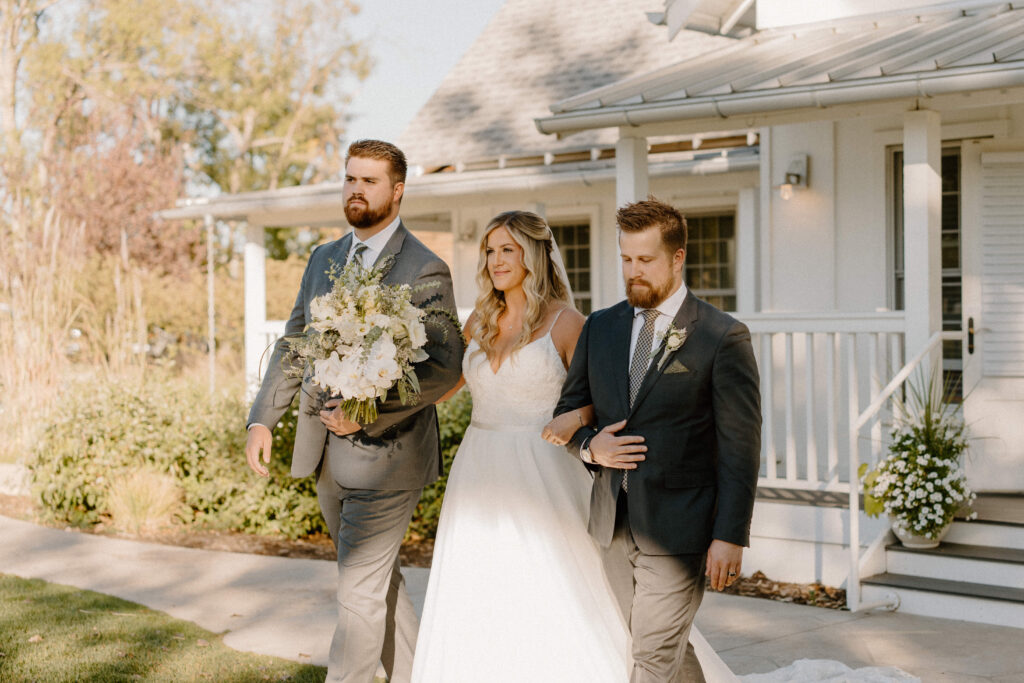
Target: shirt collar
point(380, 240)
point(670, 306)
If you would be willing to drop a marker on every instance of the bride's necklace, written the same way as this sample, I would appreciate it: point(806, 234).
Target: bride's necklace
point(506, 324)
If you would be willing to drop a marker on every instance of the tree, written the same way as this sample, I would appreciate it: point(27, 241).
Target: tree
point(270, 102)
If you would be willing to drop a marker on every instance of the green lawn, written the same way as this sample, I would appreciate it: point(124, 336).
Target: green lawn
point(51, 633)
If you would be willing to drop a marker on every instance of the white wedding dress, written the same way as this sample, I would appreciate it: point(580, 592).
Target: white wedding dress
point(517, 592)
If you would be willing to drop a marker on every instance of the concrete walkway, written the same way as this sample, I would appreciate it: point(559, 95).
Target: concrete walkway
point(285, 607)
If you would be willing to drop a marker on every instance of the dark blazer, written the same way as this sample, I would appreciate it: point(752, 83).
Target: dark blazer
point(699, 411)
point(400, 450)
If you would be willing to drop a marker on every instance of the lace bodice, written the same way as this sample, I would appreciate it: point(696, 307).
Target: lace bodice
point(524, 390)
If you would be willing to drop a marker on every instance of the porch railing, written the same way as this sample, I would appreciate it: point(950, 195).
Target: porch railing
point(814, 370)
point(870, 417)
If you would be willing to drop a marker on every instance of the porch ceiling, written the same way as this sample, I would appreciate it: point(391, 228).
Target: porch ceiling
point(846, 62)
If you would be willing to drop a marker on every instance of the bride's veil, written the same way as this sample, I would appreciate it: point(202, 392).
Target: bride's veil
point(560, 271)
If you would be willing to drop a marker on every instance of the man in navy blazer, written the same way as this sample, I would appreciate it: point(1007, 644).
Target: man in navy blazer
point(676, 448)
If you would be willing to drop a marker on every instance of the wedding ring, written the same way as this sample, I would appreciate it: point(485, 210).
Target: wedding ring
point(732, 573)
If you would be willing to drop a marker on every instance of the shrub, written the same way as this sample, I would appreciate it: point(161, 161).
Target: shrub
point(109, 430)
point(106, 432)
point(143, 501)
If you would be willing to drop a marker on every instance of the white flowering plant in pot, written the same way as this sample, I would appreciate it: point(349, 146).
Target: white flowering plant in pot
point(921, 484)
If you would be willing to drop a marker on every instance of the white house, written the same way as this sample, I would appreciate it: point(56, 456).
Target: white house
point(853, 175)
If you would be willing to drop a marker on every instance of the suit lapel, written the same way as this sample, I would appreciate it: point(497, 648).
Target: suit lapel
point(345, 246)
point(392, 249)
point(621, 332)
point(686, 319)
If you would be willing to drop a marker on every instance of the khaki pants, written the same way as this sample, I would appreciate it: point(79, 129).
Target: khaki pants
point(659, 596)
point(376, 619)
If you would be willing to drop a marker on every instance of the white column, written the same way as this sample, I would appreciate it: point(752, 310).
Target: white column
point(632, 183)
point(746, 251)
point(767, 196)
point(631, 176)
point(922, 227)
point(211, 311)
point(255, 302)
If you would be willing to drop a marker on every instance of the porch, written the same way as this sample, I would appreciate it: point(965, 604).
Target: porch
point(853, 116)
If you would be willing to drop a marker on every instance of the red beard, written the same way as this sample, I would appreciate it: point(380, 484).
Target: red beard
point(648, 297)
point(366, 216)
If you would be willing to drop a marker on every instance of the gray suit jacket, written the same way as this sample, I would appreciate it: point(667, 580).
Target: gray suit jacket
point(400, 450)
point(699, 413)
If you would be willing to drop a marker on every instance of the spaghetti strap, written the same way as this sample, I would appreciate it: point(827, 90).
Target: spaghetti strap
point(553, 322)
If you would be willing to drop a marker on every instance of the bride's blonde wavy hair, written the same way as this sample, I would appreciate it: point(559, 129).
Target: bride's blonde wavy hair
point(542, 284)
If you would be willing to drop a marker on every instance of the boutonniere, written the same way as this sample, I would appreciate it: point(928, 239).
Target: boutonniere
point(671, 340)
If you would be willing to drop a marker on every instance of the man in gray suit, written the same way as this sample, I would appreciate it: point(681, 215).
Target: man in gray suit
point(369, 476)
point(676, 450)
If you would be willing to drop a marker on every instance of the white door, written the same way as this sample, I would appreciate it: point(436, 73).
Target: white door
point(993, 307)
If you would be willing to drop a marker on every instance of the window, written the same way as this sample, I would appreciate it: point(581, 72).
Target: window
point(574, 242)
point(952, 353)
point(711, 259)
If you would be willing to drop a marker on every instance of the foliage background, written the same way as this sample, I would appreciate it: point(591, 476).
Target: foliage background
point(154, 421)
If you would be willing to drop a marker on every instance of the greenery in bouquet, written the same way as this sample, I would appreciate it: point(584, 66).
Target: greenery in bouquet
point(362, 340)
point(921, 484)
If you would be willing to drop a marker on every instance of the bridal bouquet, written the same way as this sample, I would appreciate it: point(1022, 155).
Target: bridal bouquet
point(362, 340)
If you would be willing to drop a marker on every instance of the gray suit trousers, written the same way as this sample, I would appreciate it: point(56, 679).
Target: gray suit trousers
point(376, 618)
point(659, 596)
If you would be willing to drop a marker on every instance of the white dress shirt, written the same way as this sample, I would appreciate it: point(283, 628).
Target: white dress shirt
point(374, 245)
point(668, 310)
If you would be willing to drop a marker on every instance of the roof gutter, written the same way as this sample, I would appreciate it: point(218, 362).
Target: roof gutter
point(329, 196)
point(446, 185)
point(929, 84)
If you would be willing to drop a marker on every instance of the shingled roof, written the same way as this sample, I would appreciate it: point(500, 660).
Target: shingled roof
point(533, 53)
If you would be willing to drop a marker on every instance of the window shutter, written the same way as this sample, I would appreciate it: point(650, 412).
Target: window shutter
point(1002, 266)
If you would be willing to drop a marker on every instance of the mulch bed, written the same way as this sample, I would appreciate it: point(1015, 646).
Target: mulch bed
point(413, 554)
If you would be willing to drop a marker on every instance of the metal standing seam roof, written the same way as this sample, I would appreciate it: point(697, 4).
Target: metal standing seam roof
point(846, 61)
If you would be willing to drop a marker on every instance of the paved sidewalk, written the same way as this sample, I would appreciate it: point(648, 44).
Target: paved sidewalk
point(285, 607)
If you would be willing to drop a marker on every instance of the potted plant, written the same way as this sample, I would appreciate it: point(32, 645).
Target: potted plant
point(921, 484)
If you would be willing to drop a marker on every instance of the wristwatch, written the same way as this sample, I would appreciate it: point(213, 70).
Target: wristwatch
point(585, 454)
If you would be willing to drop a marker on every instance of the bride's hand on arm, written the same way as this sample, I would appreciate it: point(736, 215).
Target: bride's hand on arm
point(561, 429)
point(467, 333)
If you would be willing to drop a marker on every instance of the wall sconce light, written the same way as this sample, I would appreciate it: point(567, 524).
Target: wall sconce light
point(466, 231)
point(796, 176)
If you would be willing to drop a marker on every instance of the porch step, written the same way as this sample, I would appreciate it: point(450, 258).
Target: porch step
point(985, 533)
point(930, 597)
point(1000, 508)
point(979, 564)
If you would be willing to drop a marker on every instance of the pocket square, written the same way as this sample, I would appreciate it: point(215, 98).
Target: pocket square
point(676, 367)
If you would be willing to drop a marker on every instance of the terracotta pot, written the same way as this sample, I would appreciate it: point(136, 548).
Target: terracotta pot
point(911, 540)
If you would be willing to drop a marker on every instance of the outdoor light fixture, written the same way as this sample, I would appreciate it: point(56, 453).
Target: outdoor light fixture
point(796, 176)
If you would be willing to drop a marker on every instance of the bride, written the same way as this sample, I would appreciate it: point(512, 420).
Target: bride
point(517, 591)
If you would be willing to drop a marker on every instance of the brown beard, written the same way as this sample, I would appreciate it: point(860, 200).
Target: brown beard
point(650, 297)
point(358, 217)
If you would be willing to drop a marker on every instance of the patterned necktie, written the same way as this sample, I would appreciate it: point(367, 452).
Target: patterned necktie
point(641, 354)
point(357, 255)
point(638, 366)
